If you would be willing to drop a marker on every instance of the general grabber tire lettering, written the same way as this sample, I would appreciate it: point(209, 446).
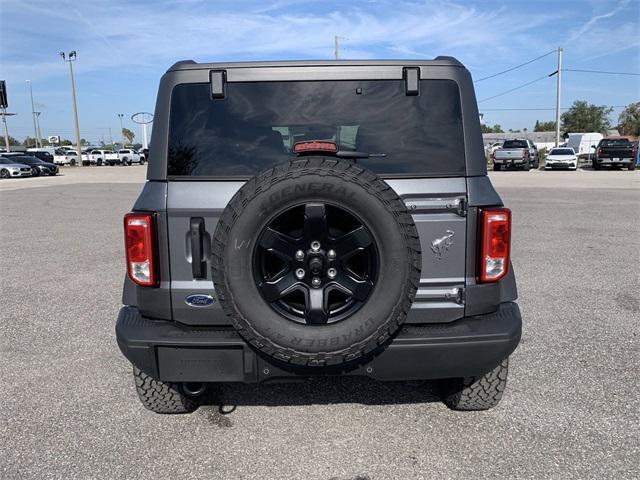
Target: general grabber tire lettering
point(161, 397)
point(318, 187)
point(477, 393)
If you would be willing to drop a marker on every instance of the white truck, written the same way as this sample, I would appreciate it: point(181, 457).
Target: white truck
point(584, 144)
point(129, 156)
point(96, 157)
point(65, 156)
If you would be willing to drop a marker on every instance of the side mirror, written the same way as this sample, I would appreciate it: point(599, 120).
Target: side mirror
point(593, 146)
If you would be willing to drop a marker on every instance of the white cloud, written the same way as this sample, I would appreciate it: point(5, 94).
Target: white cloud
point(113, 35)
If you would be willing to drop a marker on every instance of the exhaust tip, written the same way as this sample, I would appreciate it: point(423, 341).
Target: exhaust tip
point(193, 389)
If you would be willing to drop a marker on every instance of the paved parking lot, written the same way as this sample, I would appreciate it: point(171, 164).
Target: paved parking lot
point(572, 407)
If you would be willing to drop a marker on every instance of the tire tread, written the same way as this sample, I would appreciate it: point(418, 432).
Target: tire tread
point(320, 166)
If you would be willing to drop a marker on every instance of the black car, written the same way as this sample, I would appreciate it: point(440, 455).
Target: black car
point(38, 167)
point(42, 155)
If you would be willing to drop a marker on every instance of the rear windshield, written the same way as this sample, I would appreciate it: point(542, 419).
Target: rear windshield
point(615, 142)
point(515, 144)
point(256, 125)
point(562, 151)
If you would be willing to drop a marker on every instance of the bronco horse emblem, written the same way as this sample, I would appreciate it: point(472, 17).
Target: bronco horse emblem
point(440, 245)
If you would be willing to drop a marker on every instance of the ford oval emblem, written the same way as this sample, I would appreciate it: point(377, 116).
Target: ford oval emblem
point(199, 300)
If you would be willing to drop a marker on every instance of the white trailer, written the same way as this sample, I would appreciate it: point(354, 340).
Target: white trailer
point(584, 144)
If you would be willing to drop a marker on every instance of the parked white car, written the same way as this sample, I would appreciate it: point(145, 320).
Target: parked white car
point(129, 156)
point(561, 157)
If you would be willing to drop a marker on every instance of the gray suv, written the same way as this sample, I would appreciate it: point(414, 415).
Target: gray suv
point(317, 218)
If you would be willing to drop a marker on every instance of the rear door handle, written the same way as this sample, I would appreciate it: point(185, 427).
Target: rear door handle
point(198, 265)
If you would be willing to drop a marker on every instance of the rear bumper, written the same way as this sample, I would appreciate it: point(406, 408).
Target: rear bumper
point(616, 161)
point(509, 161)
point(172, 352)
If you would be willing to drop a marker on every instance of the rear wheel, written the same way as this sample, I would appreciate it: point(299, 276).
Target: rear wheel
point(527, 165)
point(476, 393)
point(161, 397)
point(632, 166)
point(99, 162)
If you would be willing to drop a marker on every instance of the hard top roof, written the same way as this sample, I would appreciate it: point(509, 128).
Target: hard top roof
point(440, 61)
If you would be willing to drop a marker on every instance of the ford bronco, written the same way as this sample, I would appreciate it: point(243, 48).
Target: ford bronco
point(317, 218)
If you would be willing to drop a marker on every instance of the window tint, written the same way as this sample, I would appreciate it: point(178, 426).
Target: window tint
point(615, 142)
point(562, 151)
point(256, 125)
point(515, 144)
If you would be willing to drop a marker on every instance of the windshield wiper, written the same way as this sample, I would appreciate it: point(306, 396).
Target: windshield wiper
point(349, 154)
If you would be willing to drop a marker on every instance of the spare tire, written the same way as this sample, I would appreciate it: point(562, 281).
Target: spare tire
point(316, 261)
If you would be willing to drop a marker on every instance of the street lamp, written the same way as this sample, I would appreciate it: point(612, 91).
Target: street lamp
point(70, 59)
point(39, 137)
point(33, 114)
point(121, 116)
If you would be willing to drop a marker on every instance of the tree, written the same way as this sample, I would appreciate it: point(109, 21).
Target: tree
point(29, 142)
point(13, 142)
point(495, 129)
point(128, 134)
point(83, 141)
point(629, 120)
point(544, 126)
point(585, 117)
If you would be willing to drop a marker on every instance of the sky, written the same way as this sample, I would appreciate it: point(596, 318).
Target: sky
point(124, 47)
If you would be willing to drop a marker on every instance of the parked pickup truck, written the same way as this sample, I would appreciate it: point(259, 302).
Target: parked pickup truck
point(129, 156)
point(615, 152)
point(65, 157)
point(516, 153)
point(96, 157)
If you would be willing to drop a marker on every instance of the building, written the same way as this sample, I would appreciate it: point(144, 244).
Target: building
point(541, 139)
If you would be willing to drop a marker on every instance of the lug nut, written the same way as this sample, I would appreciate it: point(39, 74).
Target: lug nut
point(331, 273)
point(315, 245)
point(300, 273)
point(331, 254)
point(315, 281)
point(299, 255)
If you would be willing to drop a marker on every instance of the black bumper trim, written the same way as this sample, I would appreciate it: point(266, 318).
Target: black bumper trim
point(174, 352)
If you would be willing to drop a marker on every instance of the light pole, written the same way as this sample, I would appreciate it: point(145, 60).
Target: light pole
point(143, 118)
point(6, 114)
point(558, 83)
point(33, 114)
point(121, 116)
point(70, 59)
point(39, 137)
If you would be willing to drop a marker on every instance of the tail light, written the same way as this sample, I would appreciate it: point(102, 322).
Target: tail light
point(315, 146)
point(599, 152)
point(524, 153)
point(139, 245)
point(495, 243)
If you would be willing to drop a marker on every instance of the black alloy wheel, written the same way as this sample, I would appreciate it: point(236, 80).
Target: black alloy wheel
point(315, 263)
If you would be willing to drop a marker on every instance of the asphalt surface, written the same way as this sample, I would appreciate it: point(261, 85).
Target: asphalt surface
point(68, 408)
